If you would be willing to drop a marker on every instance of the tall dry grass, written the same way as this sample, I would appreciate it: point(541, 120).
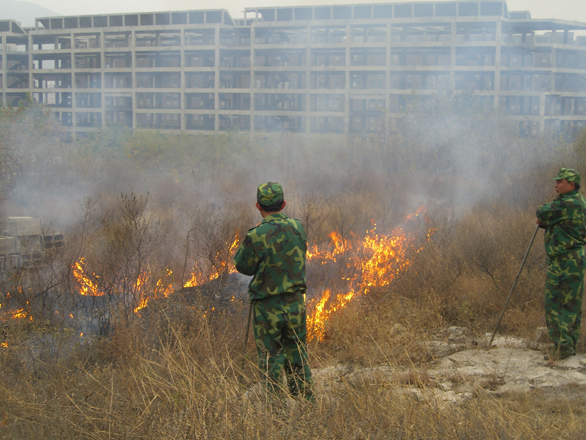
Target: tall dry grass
point(178, 368)
point(193, 381)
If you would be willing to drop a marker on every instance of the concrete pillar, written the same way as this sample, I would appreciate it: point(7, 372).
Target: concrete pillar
point(347, 82)
point(553, 61)
point(134, 80)
point(102, 77)
point(252, 78)
point(542, 112)
point(73, 89)
point(388, 79)
point(217, 79)
point(453, 56)
point(497, 61)
point(308, 82)
point(30, 63)
point(182, 94)
point(4, 70)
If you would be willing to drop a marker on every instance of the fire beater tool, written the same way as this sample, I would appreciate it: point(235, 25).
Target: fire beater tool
point(513, 287)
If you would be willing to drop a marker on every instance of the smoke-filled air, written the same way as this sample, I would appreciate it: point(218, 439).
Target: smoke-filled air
point(123, 316)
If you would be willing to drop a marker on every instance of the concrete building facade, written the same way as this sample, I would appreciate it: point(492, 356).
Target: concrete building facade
point(339, 68)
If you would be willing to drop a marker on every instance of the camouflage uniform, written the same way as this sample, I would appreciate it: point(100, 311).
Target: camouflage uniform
point(564, 221)
point(274, 253)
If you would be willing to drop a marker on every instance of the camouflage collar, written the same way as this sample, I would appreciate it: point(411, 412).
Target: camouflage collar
point(278, 215)
point(573, 193)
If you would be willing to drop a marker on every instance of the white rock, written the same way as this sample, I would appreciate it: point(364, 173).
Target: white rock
point(541, 334)
point(446, 386)
point(416, 394)
point(397, 329)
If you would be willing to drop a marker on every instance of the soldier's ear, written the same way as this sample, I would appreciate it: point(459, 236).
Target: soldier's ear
point(258, 206)
point(283, 205)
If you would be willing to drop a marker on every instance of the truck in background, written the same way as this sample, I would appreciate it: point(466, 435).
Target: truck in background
point(23, 244)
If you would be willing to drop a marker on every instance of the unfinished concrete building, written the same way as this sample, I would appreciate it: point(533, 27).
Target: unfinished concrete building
point(341, 68)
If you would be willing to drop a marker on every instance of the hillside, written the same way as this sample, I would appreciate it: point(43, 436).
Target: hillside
point(24, 12)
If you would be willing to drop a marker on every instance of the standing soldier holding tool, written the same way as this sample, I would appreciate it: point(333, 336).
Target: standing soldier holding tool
point(273, 252)
point(564, 221)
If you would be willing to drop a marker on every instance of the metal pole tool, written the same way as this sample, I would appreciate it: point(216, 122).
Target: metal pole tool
point(247, 327)
point(513, 288)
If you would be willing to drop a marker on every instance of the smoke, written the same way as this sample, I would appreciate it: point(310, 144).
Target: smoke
point(449, 150)
point(171, 206)
point(451, 153)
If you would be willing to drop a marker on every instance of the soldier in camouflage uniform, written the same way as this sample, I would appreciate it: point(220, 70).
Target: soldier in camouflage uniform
point(273, 252)
point(564, 221)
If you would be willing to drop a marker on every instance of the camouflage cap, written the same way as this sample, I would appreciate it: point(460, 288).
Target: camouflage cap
point(269, 194)
point(569, 174)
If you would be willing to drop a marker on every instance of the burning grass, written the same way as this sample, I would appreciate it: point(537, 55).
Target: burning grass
point(177, 369)
point(368, 263)
point(123, 335)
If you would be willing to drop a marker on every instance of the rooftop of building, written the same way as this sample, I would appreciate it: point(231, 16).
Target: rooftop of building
point(443, 9)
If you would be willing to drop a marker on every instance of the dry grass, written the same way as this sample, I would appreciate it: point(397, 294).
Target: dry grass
point(191, 387)
point(178, 371)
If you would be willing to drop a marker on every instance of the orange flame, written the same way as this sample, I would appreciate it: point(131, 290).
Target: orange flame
point(375, 261)
point(316, 322)
point(340, 245)
point(192, 281)
point(142, 289)
point(162, 289)
point(88, 287)
point(220, 266)
point(21, 314)
point(17, 314)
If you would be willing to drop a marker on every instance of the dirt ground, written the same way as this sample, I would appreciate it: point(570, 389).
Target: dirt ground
point(462, 367)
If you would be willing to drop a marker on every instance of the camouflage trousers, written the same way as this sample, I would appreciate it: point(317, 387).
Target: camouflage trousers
point(280, 331)
point(564, 289)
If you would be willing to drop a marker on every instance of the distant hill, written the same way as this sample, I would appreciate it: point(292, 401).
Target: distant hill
point(25, 12)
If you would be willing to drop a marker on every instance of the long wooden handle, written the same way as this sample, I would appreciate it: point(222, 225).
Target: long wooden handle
point(247, 327)
point(513, 288)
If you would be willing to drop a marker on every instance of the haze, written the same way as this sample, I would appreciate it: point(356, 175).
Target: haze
point(565, 9)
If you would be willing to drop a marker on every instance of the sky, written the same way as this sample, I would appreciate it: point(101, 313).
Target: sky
point(561, 9)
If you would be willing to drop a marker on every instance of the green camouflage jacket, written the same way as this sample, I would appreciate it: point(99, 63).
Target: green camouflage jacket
point(564, 221)
point(274, 252)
